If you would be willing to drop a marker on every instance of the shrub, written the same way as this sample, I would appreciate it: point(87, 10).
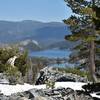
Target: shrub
point(22, 63)
point(74, 71)
point(50, 84)
point(5, 54)
point(13, 74)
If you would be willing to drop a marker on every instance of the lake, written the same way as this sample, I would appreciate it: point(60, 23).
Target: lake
point(54, 53)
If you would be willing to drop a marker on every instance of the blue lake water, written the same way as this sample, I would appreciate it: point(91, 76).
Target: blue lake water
point(55, 53)
point(63, 65)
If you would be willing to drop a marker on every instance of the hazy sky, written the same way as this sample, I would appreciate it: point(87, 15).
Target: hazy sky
point(41, 10)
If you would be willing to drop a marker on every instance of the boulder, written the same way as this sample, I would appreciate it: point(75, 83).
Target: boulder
point(3, 79)
point(93, 89)
point(50, 94)
point(60, 94)
point(48, 73)
point(10, 79)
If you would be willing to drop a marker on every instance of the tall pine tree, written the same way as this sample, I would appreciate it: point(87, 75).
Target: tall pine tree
point(85, 28)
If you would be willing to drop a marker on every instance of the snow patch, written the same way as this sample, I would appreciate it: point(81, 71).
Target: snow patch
point(35, 42)
point(95, 95)
point(11, 89)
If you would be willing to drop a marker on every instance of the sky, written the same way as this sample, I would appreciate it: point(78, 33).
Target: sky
point(40, 10)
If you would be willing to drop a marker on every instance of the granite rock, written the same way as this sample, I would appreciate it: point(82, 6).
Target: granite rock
point(48, 73)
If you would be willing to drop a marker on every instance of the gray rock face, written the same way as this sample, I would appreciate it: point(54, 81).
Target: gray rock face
point(49, 74)
point(3, 79)
point(49, 94)
point(63, 94)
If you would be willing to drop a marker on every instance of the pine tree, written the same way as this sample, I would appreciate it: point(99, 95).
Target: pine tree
point(85, 29)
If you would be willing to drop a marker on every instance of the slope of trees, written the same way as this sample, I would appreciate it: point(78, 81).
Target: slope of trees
point(85, 28)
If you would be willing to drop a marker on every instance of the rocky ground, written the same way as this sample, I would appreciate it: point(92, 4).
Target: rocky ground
point(62, 90)
point(54, 75)
point(49, 94)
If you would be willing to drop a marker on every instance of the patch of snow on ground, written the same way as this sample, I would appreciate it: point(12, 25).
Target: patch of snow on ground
point(11, 89)
point(94, 95)
point(73, 85)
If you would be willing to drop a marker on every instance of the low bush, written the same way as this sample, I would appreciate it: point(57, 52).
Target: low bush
point(74, 71)
point(13, 74)
point(21, 64)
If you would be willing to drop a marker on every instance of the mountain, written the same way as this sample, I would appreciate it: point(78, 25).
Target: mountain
point(29, 45)
point(44, 33)
point(18, 31)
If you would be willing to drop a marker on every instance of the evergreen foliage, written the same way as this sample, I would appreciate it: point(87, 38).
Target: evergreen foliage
point(21, 65)
point(5, 54)
point(75, 70)
point(85, 28)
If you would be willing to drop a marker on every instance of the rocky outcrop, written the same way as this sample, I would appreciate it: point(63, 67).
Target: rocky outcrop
point(59, 93)
point(49, 94)
point(10, 79)
point(62, 94)
point(49, 74)
point(3, 79)
point(93, 89)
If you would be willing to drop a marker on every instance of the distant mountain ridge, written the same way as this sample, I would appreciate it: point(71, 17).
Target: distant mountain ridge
point(31, 29)
point(45, 33)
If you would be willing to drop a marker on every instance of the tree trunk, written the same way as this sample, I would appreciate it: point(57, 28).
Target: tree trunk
point(92, 61)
